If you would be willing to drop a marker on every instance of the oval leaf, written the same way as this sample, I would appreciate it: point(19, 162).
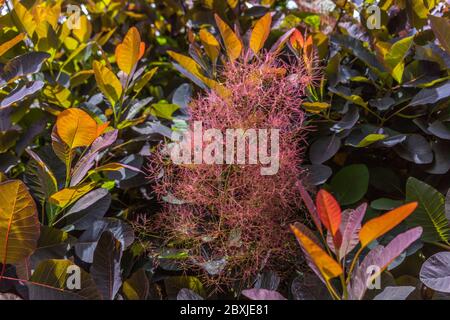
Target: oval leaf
point(329, 211)
point(129, 51)
point(435, 272)
point(260, 33)
point(19, 224)
point(232, 43)
point(76, 128)
point(107, 82)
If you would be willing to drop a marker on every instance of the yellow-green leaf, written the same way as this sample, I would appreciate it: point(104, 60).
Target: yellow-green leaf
point(142, 82)
point(260, 33)
point(129, 51)
point(4, 47)
point(371, 138)
point(380, 225)
point(232, 43)
point(76, 128)
point(19, 224)
point(315, 107)
point(67, 196)
point(395, 56)
point(193, 68)
point(212, 46)
point(107, 82)
point(83, 33)
point(24, 17)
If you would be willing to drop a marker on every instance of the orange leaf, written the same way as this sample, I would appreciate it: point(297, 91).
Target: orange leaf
point(232, 43)
point(76, 128)
point(141, 50)
point(260, 33)
point(296, 40)
point(101, 128)
point(129, 51)
point(4, 47)
point(382, 224)
point(308, 47)
point(327, 266)
point(329, 211)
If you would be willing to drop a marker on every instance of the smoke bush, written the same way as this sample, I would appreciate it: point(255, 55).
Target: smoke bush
point(230, 212)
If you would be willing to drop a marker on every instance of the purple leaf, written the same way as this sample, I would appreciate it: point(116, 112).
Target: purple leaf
point(395, 293)
point(309, 203)
point(380, 257)
point(435, 272)
point(87, 162)
point(350, 226)
point(281, 41)
point(262, 294)
point(105, 269)
point(187, 294)
point(350, 229)
point(21, 93)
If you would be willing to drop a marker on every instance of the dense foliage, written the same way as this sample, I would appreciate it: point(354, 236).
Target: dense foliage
point(91, 93)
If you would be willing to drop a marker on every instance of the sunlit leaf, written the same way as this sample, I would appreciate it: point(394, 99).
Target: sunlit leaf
point(194, 69)
point(377, 227)
point(49, 282)
point(260, 33)
point(19, 224)
point(232, 43)
point(129, 51)
point(4, 47)
point(108, 83)
point(296, 40)
point(327, 266)
point(67, 196)
point(394, 58)
point(212, 46)
point(24, 17)
point(83, 33)
point(76, 128)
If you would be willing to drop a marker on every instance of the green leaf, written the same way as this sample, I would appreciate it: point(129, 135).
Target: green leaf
point(164, 110)
point(369, 139)
point(394, 58)
point(350, 184)
point(430, 214)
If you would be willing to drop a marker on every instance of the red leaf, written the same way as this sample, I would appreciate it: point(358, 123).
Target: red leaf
point(329, 211)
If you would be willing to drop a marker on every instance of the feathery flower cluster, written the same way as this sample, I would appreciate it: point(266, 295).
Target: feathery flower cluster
point(233, 220)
